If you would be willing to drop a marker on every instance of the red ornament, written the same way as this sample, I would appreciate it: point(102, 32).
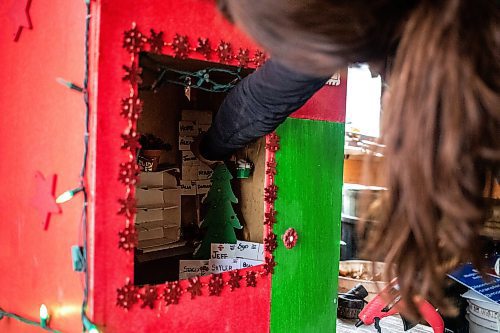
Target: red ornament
point(270, 242)
point(43, 199)
point(290, 238)
point(269, 265)
point(204, 47)
point(149, 297)
point(127, 238)
point(273, 142)
point(271, 168)
point(20, 16)
point(194, 287)
point(130, 140)
point(128, 206)
point(259, 58)
point(225, 52)
point(251, 279)
point(134, 40)
point(215, 285)
point(271, 193)
point(127, 296)
point(243, 57)
point(180, 45)
point(234, 280)
point(131, 108)
point(156, 41)
point(132, 74)
point(270, 217)
point(129, 172)
point(172, 292)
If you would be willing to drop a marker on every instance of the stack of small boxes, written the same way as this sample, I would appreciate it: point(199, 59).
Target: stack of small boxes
point(196, 175)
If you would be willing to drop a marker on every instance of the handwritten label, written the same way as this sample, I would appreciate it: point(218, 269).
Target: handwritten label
point(203, 186)
point(188, 158)
point(185, 142)
point(188, 128)
point(222, 251)
point(245, 263)
point(191, 268)
point(188, 187)
point(249, 250)
point(223, 265)
point(204, 172)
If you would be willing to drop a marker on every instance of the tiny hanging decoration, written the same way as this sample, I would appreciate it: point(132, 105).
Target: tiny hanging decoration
point(234, 280)
point(243, 168)
point(127, 296)
point(20, 16)
point(271, 193)
point(149, 297)
point(127, 238)
point(134, 40)
point(132, 74)
point(180, 46)
point(243, 57)
point(224, 51)
point(44, 198)
point(156, 41)
point(215, 285)
point(290, 238)
point(172, 293)
point(203, 47)
point(128, 206)
point(194, 287)
point(270, 242)
point(129, 173)
point(270, 217)
point(251, 279)
point(131, 108)
point(269, 265)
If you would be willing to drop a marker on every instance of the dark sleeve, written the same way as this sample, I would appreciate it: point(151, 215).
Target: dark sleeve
point(256, 106)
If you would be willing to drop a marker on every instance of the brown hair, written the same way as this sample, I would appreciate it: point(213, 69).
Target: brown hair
point(441, 121)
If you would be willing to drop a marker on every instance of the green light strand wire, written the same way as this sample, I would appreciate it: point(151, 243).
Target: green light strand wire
point(25, 320)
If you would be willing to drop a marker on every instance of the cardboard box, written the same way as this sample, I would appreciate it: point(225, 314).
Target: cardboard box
point(185, 142)
point(190, 172)
point(204, 172)
point(203, 186)
point(156, 217)
point(188, 128)
point(158, 198)
point(192, 268)
point(245, 263)
point(222, 251)
point(188, 187)
point(145, 234)
point(161, 179)
point(218, 266)
point(249, 250)
point(188, 158)
point(202, 117)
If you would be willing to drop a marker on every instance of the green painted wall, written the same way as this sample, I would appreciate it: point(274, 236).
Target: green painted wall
point(309, 180)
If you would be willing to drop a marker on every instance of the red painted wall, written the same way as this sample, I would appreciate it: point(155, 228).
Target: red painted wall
point(41, 126)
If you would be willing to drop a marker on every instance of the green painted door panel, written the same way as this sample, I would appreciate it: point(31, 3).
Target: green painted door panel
point(309, 180)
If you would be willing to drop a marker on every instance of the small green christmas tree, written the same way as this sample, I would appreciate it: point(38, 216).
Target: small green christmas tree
point(220, 220)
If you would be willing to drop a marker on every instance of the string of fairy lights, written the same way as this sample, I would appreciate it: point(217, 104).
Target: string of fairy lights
point(87, 324)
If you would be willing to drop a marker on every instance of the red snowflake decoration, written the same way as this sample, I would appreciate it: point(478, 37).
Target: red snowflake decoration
point(131, 108)
point(224, 51)
point(273, 142)
point(251, 279)
point(270, 217)
point(149, 297)
point(290, 238)
point(243, 57)
point(269, 266)
point(131, 140)
point(128, 173)
point(127, 238)
point(204, 47)
point(270, 242)
point(127, 296)
point(234, 280)
point(134, 40)
point(128, 206)
point(194, 287)
point(259, 58)
point(133, 74)
point(156, 41)
point(215, 285)
point(180, 45)
point(271, 168)
point(271, 193)
point(172, 292)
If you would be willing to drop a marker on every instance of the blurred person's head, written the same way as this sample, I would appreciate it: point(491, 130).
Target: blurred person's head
point(441, 120)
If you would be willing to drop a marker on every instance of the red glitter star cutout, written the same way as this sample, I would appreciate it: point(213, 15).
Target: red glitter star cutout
point(271, 193)
point(180, 45)
point(172, 292)
point(215, 285)
point(259, 58)
point(127, 296)
point(243, 57)
point(251, 279)
point(134, 40)
point(132, 74)
point(270, 217)
point(269, 266)
point(225, 52)
point(43, 199)
point(131, 108)
point(290, 238)
point(204, 47)
point(270, 243)
point(20, 16)
point(156, 41)
point(149, 297)
point(234, 280)
point(194, 287)
point(271, 168)
point(273, 142)
point(127, 238)
point(130, 140)
point(128, 206)
point(129, 172)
